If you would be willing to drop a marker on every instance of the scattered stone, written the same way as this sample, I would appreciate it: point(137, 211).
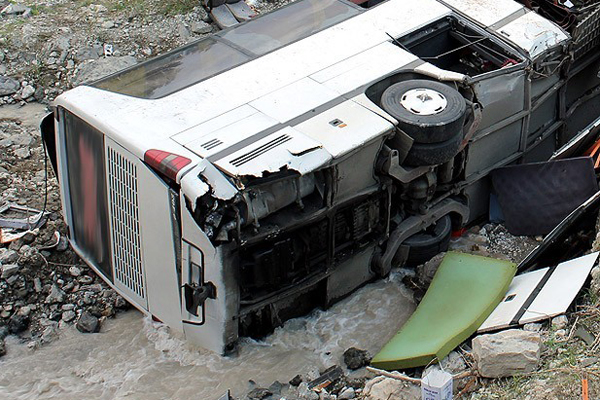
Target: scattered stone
point(296, 381)
point(507, 353)
point(27, 92)
point(356, 358)
point(108, 24)
point(50, 333)
point(259, 394)
point(585, 335)
point(18, 323)
point(305, 393)
point(16, 9)
point(9, 270)
point(74, 271)
point(8, 86)
point(87, 323)
point(276, 387)
point(588, 361)
point(92, 70)
point(56, 295)
point(68, 316)
point(560, 322)
point(201, 27)
point(561, 333)
point(23, 152)
point(8, 257)
point(532, 327)
point(382, 388)
point(347, 394)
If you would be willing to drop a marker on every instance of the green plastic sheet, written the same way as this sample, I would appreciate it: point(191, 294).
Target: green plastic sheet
point(465, 290)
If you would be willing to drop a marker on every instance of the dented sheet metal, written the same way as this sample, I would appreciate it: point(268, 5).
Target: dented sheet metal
point(534, 34)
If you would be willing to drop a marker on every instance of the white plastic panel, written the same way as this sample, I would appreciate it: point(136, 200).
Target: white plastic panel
point(560, 290)
point(294, 100)
point(286, 148)
point(345, 127)
point(227, 136)
point(533, 33)
point(214, 124)
point(364, 68)
point(554, 298)
point(519, 290)
point(486, 12)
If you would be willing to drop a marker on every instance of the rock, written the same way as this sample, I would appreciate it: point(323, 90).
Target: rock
point(347, 394)
point(37, 284)
point(595, 285)
point(88, 53)
point(200, 27)
point(9, 270)
point(2, 348)
point(8, 257)
point(74, 271)
point(24, 311)
point(561, 333)
point(356, 358)
point(276, 387)
point(108, 24)
point(68, 316)
point(87, 323)
point(305, 393)
point(18, 323)
point(50, 333)
point(532, 327)
point(259, 394)
point(588, 361)
point(56, 295)
point(295, 381)
point(16, 9)
point(560, 322)
point(8, 86)
point(23, 152)
point(184, 32)
point(507, 353)
point(425, 272)
point(381, 388)
point(27, 92)
point(92, 70)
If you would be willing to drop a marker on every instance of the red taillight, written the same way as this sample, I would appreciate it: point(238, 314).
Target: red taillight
point(167, 164)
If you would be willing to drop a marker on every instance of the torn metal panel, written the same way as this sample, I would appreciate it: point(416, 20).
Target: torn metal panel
point(534, 34)
point(485, 12)
point(205, 178)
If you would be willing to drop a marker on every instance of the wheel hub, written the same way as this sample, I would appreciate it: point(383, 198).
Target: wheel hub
point(424, 101)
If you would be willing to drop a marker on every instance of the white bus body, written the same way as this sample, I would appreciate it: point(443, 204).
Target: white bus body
point(250, 177)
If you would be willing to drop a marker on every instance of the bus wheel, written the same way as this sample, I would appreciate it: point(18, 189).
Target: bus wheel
point(427, 111)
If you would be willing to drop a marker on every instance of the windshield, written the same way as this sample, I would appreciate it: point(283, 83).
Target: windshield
point(205, 58)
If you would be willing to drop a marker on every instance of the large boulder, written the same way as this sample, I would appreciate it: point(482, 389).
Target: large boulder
point(507, 353)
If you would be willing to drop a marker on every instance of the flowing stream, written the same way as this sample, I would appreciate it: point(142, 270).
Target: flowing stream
point(135, 358)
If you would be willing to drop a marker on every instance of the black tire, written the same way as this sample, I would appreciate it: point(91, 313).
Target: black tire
point(433, 128)
point(425, 245)
point(422, 154)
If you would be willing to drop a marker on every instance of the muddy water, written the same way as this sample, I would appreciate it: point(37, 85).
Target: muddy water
point(134, 358)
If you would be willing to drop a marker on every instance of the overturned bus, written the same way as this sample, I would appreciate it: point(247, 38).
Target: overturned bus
point(274, 167)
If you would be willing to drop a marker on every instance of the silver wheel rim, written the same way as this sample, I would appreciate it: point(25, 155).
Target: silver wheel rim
point(424, 101)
